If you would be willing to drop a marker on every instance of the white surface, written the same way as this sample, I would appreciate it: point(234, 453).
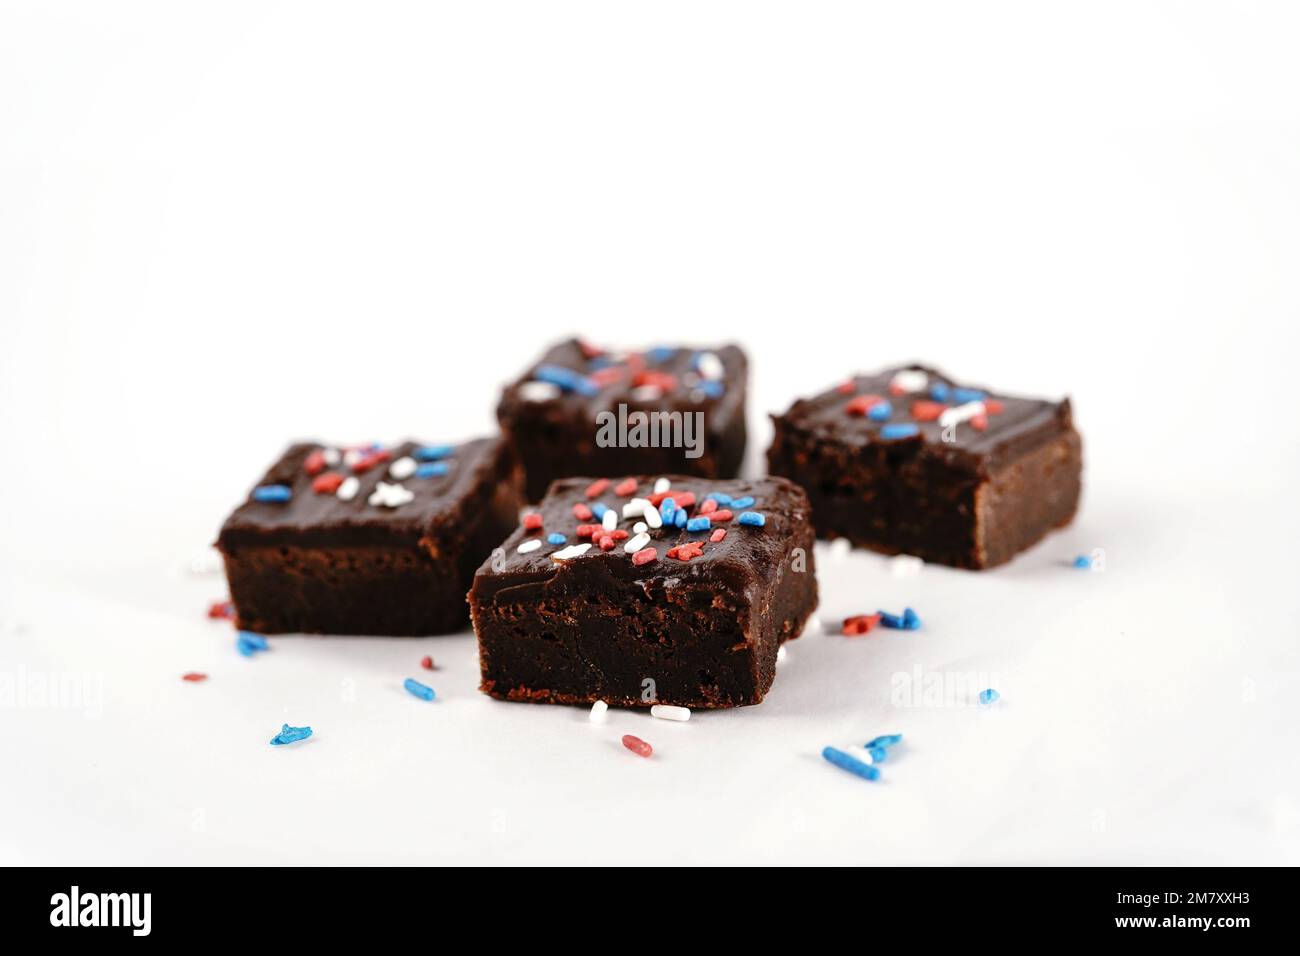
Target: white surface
point(223, 229)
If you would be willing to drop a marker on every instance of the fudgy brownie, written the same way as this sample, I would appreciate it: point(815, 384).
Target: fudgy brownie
point(635, 593)
point(582, 410)
point(908, 461)
point(369, 540)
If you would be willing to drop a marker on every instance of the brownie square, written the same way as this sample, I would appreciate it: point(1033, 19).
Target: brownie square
point(369, 540)
point(691, 613)
point(908, 461)
point(576, 412)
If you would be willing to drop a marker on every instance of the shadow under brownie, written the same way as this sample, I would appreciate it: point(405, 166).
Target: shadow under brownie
point(368, 540)
point(665, 615)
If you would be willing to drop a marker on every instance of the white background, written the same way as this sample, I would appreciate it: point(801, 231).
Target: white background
point(226, 225)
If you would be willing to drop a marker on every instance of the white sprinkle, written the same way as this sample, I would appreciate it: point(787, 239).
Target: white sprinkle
point(599, 711)
point(905, 565)
point(662, 485)
point(403, 468)
point(330, 456)
point(652, 516)
point(909, 380)
point(348, 489)
point(640, 527)
point(538, 391)
point(610, 521)
point(635, 508)
point(710, 366)
point(780, 654)
point(527, 547)
point(390, 496)
point(636, 543)
point(840, 548)
point(670, 712)
point(961, 413)
point(647, 393)
point(572, 551)
point(352, 457)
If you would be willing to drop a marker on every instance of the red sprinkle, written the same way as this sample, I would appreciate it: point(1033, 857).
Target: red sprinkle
point(722, 514)
point(637, 746)
point(315, 462)
point(979, 422)
point(533, 521)
point(426, 663)
point(597, 487)
point(927, 411)
point(685, 499)
point(606, 543)
point(860, 624)
point(221, 610)
point(993, 406)
point(846, 388)
point(587, 530)
point(618, 534)
point(327, 483)
point(626, 487)
point(708, 507)
point(581, 512)
point(896, 389)
point(662, 380)
point(607, 376)
point(372, 459)
point(645, 556)
point(194, 677)
point(718, 535)
point(862, 404)
point(684, 552)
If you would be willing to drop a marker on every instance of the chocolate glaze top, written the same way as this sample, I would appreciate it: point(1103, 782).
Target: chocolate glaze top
point(323, 519)
point(1012, 426)
point(736, 567)
point(614, 378)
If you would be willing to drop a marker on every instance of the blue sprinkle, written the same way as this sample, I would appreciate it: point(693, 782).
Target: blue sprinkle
point(434, 469)
point(434, 452)
point(272, 493)
point(910, 621)
point(878, 754)
point(422, 691)
point(679, 518)
point(752, 518)
point(963, 395)
point(1083, 561)
point(556, 538)
point(885, 740)
point(899, 430)
point(249, 643)
point(599, 509)
point(566, 379)
point(719, 497)
point(907, 621)
point(661, 353)
point(850, 763)
point(712, 388)
point(745, 502)
point(940, 392)
point(880, 411)
point(288, 735)
point(702, 523)
point(989, 696)
point(666, 509)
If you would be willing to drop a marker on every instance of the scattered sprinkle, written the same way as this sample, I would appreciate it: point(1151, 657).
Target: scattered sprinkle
point(850, 763)
point(599, 712)
point(718, 535)
point(880, 412)
point(752, 519)
point(272, 494)
point(348, 488)
point(662, 485)
point(422, 691)
point(626, 487)
point(670, 712)
point(907, 621)
point(221, 610)
point(532, 521)
point(908, 380)
point(859, 624)
point(327, 484)
point(390, 496)
point(402, 468)
point(636, 542)
point(899, 430)
point(644, 556)
point(289, 735)
point(194, 677)
point(529, 546)
point(555, 538)
point(1082, 562)
point(885, 740)
point(434, 452)
point(610, 519)
point(565, 379)
point(538, 391)
point(597, 487)
point(737, 504)
point(637, 746)
point(433, 469)
point(989, 696)
point(249, 643)
point(426, 663)
point(572, 551)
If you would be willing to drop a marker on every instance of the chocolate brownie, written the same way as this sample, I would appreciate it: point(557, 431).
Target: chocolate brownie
point(687, 610)
point(583, 410)
point(908, 461)
point(369, 540)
